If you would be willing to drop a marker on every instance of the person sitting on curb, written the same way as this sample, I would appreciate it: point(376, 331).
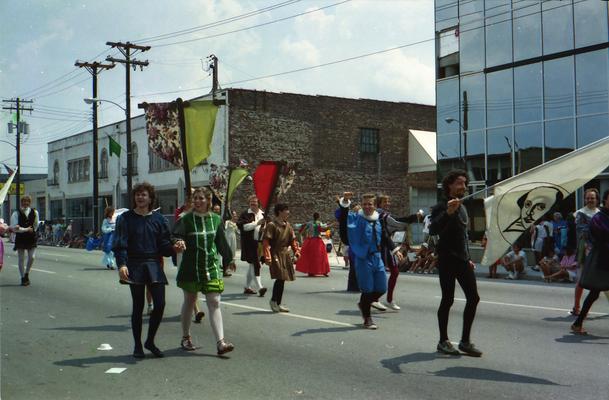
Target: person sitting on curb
point(514, 261)
point(566, 270)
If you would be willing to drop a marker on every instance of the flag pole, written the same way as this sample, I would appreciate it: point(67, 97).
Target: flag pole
point(181, 104)
point(226, 213)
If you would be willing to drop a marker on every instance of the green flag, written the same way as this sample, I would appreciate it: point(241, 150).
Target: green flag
point(200, 119)
point(114, 147)
point(237, 175)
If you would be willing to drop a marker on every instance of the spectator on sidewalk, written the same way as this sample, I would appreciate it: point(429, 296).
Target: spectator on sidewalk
point(514, 262)
point(566, 270)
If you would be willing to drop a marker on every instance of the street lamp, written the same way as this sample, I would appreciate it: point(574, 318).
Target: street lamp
point(129, 155)
point(93, 101)
point(462, 133)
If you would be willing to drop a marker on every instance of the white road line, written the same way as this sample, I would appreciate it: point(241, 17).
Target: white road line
point(497, 303)
point(327, 321)
point(39, 270)
point(56, 255)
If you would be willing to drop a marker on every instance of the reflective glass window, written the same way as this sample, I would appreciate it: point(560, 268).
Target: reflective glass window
point(499, 98)
point(446, 14)
point(447, 105)
point(498, 32)
point(591, 129)
point(473, 94)
point(471, 46)
point(559, 138)
point(527, 30)
point(592, 82)
point(498, 41)
point(590, 22)
point(499, 145)
point(527, 146)
point(527, 93)
point(449, 153)
point(558, 88)
point(557, 19)
point(471, 35)
point(473, 154)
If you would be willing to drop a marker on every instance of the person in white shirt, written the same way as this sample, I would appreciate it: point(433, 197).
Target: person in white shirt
point(23, 223)
point(514, 262)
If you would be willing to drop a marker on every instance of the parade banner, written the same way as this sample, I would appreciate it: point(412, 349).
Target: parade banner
point(237, 176)
point(6, 186)
point(520, 201)
point(265, 181)
point(200, 121)
point(163, 128)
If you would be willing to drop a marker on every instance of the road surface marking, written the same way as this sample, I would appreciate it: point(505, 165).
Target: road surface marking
point(39, 270)
point(327, 321)
point(524, 306)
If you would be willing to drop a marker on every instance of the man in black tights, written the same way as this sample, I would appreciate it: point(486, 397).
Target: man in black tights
point(449, 220)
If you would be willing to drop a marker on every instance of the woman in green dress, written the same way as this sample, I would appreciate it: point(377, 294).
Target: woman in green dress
point(200, 235)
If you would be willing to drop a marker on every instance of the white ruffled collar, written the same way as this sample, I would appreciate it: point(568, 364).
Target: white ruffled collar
point(371, 218)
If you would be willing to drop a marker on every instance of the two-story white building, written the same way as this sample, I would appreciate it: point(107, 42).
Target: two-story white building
point(70, 182)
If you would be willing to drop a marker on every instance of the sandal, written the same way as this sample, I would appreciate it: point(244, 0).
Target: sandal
point(578, 330)
point(186, 343)
point(224, 347)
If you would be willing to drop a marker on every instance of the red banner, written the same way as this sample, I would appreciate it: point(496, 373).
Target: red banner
point(265, 180)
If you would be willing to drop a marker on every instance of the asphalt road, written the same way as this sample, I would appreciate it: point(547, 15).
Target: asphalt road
point(50, 332)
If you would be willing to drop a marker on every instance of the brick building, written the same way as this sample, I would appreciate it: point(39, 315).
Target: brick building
point(337, 144)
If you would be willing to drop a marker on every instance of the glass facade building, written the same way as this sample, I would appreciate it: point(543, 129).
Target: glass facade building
point(518, 83)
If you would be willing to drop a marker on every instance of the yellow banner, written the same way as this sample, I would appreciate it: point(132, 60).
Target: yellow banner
point(12, 189)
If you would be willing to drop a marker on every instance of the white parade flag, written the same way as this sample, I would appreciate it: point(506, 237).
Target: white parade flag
point(7, 186)
point(521, 200)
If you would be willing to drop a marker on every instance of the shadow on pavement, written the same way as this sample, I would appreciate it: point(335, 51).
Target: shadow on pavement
point(254, 313)
point(566, 318)
point(327, 330)
point(572, 338)
point(128, 358)
point(491, 375)
point(393, 364)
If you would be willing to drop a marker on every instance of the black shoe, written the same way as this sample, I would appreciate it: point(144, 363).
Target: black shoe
point(469, 349)
point(154, 350)
point(261, 292)
point(23, 282)
point(446, 347)
point(27, 280)
point(199, 316)
point(138, 352)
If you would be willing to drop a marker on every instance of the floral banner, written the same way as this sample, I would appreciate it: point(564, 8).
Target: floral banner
point(163, 128)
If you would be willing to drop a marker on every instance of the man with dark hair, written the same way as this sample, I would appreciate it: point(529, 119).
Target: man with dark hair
point(449, 220)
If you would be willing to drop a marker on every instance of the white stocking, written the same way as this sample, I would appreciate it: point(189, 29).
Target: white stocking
point(215, 315)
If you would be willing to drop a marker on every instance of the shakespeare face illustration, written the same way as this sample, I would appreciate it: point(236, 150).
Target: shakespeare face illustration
point(532, 205)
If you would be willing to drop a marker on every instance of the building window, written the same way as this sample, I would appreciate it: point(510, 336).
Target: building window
point(157, 164)
point(448, 52)
point(369, 141)
point(55, 180)
point(78, 170)
point(103, 173)
point(134, 155)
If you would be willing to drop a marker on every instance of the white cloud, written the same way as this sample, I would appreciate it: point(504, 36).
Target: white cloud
point(301, 50)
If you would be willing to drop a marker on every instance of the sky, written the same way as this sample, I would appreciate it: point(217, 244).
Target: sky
point(375, 49)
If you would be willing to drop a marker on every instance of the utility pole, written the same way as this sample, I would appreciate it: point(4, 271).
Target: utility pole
point(465, 128)
point(93, 70)
point(20, 128)
point(125, 49)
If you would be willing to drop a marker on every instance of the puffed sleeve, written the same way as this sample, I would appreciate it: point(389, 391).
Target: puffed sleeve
point(121, 241)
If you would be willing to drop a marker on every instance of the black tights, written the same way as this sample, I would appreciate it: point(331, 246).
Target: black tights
point(590, 299)
point(138, 296)
point(365, 300)
point(449, 271)
point(278, 291)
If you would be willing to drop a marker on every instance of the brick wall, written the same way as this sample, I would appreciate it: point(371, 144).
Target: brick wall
point(320, 134)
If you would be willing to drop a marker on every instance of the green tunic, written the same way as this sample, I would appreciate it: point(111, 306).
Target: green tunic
point(200, 269)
